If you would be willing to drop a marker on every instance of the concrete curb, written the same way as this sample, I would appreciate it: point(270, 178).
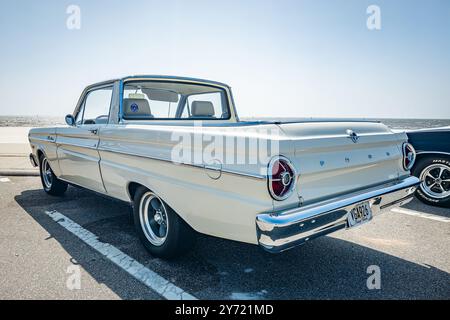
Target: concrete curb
point(13, 155)
point(19, 173)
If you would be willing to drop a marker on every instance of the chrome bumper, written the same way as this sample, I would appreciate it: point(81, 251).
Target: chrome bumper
point(33, 160)
point(283, 230)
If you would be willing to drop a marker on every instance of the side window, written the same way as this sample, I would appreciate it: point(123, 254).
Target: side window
point(96, 107)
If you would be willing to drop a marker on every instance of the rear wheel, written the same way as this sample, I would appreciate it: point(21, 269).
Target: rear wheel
point(51, 184)
point(163, 233)
point(434, 172)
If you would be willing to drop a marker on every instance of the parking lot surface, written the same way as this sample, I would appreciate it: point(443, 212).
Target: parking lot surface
point(44, 239)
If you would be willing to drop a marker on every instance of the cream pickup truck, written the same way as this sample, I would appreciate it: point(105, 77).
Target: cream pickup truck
point(176, 150)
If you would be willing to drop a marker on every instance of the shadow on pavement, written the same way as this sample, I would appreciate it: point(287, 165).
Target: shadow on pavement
point(416, 205)
point(326, 268)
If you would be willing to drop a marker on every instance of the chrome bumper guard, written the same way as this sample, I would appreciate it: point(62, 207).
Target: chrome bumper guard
point(33, 160)
point(283, 230)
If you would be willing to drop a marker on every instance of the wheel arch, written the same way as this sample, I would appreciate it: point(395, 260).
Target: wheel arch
point(39, 154)
point(133, 186)
point(421, 156)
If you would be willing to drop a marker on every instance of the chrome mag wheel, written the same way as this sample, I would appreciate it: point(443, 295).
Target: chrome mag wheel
point(153, 218)
point(47, 174)
point(436, 181)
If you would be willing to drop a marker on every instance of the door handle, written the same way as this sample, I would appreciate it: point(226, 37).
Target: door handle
point(94, 131)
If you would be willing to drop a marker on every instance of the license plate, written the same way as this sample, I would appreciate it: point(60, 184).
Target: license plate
point(359, 214)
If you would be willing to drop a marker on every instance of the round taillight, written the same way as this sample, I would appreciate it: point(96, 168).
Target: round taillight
point(409, 156)
point(281, 178)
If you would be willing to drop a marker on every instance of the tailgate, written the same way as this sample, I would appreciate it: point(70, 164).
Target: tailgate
point(330, 163)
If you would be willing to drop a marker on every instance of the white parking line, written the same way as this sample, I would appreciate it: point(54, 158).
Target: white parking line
point(148, 277)
point(420, 214)
point(4, 180)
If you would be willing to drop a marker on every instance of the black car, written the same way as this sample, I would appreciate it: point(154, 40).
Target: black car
point(432, 165)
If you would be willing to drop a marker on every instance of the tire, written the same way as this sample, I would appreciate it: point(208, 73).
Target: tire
point(431, 170)
point(51, 184)
point(163, 233)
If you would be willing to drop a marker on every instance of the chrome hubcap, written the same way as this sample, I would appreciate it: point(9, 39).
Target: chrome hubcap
point(47, 175)
point(436, 181)
point(153, 218)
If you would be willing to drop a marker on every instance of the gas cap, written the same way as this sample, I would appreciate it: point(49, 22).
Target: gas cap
point(213, 169)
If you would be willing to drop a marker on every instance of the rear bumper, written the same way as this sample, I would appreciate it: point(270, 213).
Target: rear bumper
point(283, 230)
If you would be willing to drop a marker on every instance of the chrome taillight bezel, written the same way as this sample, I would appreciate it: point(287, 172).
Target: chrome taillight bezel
point(409, 154)
point(293, 182)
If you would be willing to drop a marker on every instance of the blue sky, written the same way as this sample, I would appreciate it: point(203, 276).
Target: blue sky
point(282, 58)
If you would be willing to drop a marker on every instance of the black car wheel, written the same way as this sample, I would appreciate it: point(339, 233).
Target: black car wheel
point(163, 233)
point(51, 184)
point(434, 172)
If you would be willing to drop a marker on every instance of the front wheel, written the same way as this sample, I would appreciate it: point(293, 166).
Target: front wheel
point(163, 233)
point(434, 172)
point(51, 184)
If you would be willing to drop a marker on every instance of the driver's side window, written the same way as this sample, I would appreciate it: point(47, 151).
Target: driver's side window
point(95, 109)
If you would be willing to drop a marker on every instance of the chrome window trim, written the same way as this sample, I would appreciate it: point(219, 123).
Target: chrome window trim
point(89, 89)
point(82, 106)
point(223, 97)
point(230, 101)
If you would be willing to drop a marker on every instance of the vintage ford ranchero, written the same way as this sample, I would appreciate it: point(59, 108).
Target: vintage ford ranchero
point(127, 139)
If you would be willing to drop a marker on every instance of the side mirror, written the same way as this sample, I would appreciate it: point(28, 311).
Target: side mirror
point(70, 120)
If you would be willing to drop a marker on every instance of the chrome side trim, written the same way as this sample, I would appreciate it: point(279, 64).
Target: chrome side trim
point(227, 171)
point(283, 230)
point(37, 139)
point(433, 152)
point(80, 155)
point(244, 174)
point(65, 144)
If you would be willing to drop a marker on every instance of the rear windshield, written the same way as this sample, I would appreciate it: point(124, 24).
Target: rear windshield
point(148, 100)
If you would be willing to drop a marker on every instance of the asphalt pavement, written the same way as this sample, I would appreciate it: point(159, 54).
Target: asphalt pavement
point(39, 255)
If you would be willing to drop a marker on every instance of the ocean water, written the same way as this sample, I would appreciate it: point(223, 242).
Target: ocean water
point(30, 121)
point(407, 124)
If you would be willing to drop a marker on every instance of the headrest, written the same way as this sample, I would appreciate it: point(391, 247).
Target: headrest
point(136, 108)
point(202, 109)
